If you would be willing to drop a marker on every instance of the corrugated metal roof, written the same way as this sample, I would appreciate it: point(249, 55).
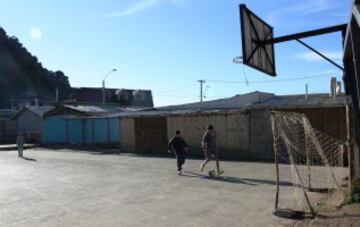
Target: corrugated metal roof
point(235, 102)
point(239, 103)
point(88, 110)
point(101, 109)
point(7, 114)
point(265, 100)
point(157, 113)
point(38, 110)
point(299, 101)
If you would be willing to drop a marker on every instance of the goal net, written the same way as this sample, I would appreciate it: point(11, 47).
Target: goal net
point(309, 164)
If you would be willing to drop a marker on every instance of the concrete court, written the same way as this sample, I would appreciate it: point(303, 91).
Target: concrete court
point(66, 188)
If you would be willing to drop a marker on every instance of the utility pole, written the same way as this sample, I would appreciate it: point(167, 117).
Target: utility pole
point(103, 86)
point(201, 89)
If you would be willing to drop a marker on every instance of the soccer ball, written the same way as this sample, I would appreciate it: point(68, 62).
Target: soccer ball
point(212, 173)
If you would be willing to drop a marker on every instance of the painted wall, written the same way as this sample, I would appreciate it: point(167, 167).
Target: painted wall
point(81, 131)
point(88, 128)
point(115, 130)
point(54, 130)
point(75, 131)
point(101, 131)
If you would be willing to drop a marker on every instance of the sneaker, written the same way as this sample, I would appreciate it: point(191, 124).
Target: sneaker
point(179, 172)
point(220, 172)
point(202, 167)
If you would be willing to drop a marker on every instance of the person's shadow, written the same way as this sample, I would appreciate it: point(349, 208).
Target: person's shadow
point(236, 180)
point(233, 180)
point(29, 159)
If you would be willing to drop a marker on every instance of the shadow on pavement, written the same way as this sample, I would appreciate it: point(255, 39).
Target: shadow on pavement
point(13, 147)
point(235, 180)
point(29, 159)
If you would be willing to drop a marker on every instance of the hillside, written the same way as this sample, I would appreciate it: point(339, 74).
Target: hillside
point(23, 77)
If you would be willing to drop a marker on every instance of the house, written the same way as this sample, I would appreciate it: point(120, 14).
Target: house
point(243, 123)
point(29, 120)
point(113, 97)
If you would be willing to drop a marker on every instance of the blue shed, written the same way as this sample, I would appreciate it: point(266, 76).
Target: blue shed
point(85, 130)
point(84, 124)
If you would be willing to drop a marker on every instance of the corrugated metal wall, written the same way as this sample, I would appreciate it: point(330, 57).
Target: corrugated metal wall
point(84, 131)
point(54, 130)
point(101, 131)
point(75, 131)
point(7, 131)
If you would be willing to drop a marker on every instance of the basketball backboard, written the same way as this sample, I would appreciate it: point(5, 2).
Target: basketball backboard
point(254, 31)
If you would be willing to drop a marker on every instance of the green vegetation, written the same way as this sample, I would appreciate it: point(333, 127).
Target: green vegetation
point(22, 75)
point(352, 198)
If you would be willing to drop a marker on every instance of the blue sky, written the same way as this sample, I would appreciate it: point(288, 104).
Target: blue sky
point(167, 45)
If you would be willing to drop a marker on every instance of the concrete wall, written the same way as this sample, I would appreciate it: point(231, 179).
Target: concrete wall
point(331, 121)
point(151, 135)
point(232, 132)
point(241, 135)
point(260, 136)
point(128, 134)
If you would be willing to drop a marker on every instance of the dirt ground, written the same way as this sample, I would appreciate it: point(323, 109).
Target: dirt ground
point(73, 188)
point(347, 216)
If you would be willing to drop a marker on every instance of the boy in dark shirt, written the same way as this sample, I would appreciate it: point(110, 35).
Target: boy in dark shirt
point(179, 146)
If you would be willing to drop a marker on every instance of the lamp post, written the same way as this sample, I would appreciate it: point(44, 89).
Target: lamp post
point(103, 85)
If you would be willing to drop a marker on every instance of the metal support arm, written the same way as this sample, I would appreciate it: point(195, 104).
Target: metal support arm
point(320, 54)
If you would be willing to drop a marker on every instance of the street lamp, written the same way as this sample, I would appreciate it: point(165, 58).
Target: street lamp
point(103, 85)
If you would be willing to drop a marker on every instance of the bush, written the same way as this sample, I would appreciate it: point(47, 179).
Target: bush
point(352, 198)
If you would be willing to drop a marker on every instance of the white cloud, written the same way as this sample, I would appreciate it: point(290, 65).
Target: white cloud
point(310, 6)
point(312, 57)
point(305, 8)
point(36, 33)
point(143, 5)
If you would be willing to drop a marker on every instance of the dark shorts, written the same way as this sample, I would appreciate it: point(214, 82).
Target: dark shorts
point(211, 154)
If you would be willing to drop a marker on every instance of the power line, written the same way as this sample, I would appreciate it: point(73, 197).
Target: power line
point(269, 81)
point(186, 87)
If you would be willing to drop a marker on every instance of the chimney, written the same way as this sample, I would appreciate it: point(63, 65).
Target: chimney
point(333, 85)
point(57, 95)
point(306, 92)
point(36, 101)
point(338, 88)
